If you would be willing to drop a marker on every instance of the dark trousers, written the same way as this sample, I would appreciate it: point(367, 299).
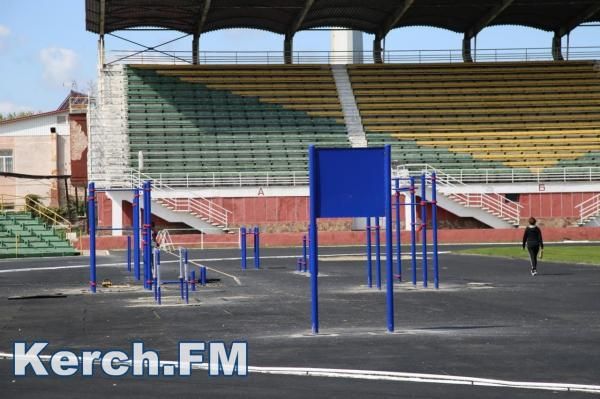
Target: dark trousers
point(533, 253)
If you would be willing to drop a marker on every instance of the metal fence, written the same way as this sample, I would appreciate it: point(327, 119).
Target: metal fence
point(347, 57)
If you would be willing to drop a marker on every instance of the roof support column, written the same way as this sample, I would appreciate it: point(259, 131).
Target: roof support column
point(101, 56)
point(377, 50)
point(466, 49)
point(195, 48)
point(288, 49)
point(557, 47)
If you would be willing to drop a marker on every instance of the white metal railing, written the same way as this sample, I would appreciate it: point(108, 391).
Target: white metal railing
point(165, 239)
point(496, 204)
point(512, 175)
point(588, 209)
point(349, 57)
point(300, 177)
point(198, 206)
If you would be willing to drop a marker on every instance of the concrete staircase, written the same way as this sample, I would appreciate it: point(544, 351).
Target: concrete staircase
point(180, 206)
point(589, 210)
point(354, 126)
point(492, 209)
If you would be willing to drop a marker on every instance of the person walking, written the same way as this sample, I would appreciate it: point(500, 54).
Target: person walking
point(532, 239)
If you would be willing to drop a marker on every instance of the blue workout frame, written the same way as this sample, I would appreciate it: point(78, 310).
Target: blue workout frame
point(146, 230)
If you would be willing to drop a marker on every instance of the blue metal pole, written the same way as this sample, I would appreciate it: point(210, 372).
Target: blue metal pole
point(136, 233)
point(243, 245)
point(193, 280)
point(434, 221)
point(424, 226)
point(304, 254)
point(186, 276)
point(314, 261)
point(387, 175)
point(158, 285)
point(398, 248)
point(377, 253)
point(148, 210)
point(256, 247)
point(181, 291)
point(369, 255)
point(145, 237)
point(129, 253)
point(154, 282)
point(413, 232)
point(203, 276)
point(92, 228)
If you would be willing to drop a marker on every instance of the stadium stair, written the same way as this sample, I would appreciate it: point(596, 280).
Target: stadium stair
point(22, 235)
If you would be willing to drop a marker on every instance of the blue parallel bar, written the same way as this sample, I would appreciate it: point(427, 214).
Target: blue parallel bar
point(369, 255)
point(256, 235)
point(413, 232)
point(377, 253)
point(398, 227)
point(434, 221)
point(193, 280)
point(387, 174)
point(424, 226)
point(313, 241)
point(243, 245)
point(92, 227)
point(136, 233)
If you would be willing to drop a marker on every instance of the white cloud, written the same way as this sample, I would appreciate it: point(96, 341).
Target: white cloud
point(60, 65)
point(4, 33)
point(6, 107)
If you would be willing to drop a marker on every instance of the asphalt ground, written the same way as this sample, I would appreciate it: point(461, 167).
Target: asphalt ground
point(489, 319)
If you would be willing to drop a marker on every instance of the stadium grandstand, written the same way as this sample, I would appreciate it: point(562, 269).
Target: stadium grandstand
point(510, 133)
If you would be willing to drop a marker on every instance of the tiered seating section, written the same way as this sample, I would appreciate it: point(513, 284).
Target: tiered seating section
point(22, 235)
point(207, 119)
point(493, 115)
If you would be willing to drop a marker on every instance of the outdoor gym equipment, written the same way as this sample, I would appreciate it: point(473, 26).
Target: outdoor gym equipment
point(255, 233)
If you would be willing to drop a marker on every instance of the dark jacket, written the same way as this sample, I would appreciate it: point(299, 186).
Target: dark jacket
point(533, 237)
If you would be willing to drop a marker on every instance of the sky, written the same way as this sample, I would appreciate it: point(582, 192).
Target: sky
point(45, 50)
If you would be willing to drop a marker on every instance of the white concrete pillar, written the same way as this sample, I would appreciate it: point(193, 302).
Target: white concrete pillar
point(346, 47)
point(117, 214)
point(407, 215)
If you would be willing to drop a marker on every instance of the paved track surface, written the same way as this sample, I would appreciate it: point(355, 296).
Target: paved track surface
point(489, 319)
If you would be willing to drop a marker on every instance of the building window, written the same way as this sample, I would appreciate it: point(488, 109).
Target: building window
point(6, 161)
point(61, 119)
point(512, 197)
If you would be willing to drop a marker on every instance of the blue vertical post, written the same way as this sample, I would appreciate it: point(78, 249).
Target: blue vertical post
point(157, 276)
point(136, 233)
point(203, 276)
point(398, 248)
point(378, 253)
point(304, 253)
point(243, 246)
point(388, 237)
point(92, 228)
point(193, 280)
point(434, 231)
point(186, 276)
point(256, 247)
point(313, 234)
point(129, 253)
point(413, 232)
point(147, 254)
point(155, 263)
point(424, 226)
point(148, 211)
point(181, 273)
point(369, 255)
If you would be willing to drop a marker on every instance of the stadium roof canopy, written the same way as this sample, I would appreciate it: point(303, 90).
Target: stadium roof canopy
point(373, 16)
